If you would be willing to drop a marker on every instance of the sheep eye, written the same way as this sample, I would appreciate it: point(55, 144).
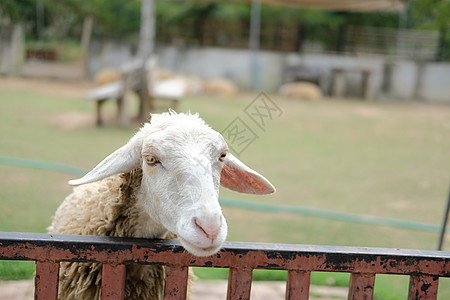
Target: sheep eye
point(151, 160)
point(223, 155)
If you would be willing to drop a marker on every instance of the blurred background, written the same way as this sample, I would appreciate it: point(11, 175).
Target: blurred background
point(345, 106)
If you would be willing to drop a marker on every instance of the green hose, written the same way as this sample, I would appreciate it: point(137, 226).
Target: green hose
point(306, 211)
point(333, 215)
point(41, 165)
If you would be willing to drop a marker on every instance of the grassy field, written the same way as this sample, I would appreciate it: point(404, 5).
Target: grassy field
point(387, 159)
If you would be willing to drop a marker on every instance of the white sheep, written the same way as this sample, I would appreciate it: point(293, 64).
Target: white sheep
point(220, 87)
point(107, 75)
point(301, 90)
point(165, 179)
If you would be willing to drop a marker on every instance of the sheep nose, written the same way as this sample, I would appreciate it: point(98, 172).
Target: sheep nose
point(209, 226)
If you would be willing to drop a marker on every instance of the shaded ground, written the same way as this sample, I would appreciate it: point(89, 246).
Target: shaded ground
point(203, 290)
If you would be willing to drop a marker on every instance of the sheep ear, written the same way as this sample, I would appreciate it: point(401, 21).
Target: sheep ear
point(238, 177)
point(122, 160)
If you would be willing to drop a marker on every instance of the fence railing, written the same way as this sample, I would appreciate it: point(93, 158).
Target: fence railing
point(424, 267)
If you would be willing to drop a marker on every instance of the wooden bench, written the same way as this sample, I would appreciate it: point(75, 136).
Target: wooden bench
point(424, 267)
point(137, 76)
point(338, 84)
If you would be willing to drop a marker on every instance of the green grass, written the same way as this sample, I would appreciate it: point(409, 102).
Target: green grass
point(16, 270)
point(387, 159)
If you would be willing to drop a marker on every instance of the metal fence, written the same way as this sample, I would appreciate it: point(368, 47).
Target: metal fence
point(424, 267)
point(297, 37)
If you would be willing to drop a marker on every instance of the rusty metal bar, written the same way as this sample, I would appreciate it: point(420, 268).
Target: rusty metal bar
point(176, 282)
point(239, 284)
point(113, 282)
point(46, 281)
point(361, 286)
point(423, 287)
point(297, 285)
point(72, 248)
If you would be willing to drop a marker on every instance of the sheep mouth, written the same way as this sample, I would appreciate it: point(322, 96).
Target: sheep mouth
point(199, 251)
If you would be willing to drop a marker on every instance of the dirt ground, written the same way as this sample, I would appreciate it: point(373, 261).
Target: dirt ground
point(47, 86)
point(53, 70)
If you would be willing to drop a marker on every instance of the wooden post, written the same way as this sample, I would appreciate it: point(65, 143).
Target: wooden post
point(338, 84)
point(146, 91)
point(98, 109)
point(124, 118)
point(366, 88)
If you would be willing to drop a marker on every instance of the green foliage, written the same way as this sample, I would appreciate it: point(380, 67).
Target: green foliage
point(121, 19)
point(117, 18)
point(433, 15)
point(113, 18)
point(429, 14)
point(18, 10)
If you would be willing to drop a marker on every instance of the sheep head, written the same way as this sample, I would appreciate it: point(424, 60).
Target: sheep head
point(183, 164)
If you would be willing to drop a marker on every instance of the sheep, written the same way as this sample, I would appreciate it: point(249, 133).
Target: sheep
point(105, 76)
point(164, 180)
point(220, 87)
point(301, 90)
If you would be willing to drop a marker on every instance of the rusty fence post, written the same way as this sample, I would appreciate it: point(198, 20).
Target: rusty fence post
point(423, 287)
point(297, 285)
point(361, 286)
point(239, 284)
point(46, 281)
point(113, 282)
point(176, 282)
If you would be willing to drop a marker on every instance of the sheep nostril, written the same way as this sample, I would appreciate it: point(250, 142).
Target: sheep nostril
point(199, 226)
point(210, 230)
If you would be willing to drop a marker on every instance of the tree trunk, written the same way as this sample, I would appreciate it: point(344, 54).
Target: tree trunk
point(442, 52)
point(88, 23)
point(147, 31)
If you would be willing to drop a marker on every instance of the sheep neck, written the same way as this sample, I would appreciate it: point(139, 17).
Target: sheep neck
point(131, 211)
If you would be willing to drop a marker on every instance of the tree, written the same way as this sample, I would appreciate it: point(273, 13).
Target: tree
point(434, 15)
point(147, 29)
point(19, 11)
